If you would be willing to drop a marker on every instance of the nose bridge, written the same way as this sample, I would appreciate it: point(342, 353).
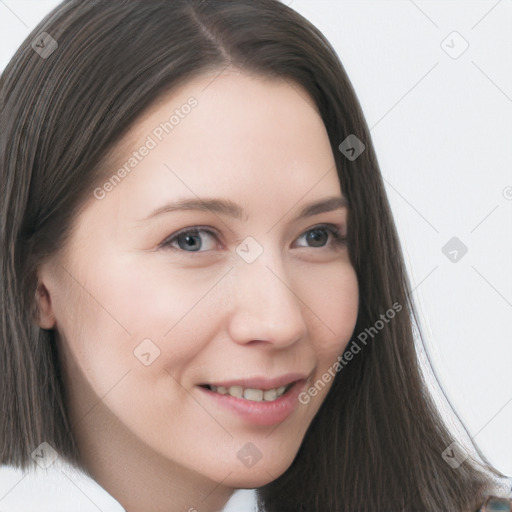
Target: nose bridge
point(265, 304)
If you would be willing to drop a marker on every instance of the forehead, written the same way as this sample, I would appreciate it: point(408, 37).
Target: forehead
point(225, 135)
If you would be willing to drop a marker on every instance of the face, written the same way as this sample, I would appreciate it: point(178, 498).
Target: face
point(152, 302)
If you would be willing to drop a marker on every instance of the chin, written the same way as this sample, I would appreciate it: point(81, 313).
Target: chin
point(257, 476)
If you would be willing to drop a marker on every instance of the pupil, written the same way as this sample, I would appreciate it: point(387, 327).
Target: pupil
point(313, 235)
point(189, 240)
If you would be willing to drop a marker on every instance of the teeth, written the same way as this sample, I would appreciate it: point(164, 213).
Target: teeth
point(269, 395)
point(236, 391)
point(254, 395)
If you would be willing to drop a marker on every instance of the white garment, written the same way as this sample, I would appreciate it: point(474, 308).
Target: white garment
point(62, 488)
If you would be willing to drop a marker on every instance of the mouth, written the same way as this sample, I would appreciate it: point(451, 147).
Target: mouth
point(263, 406)
point(251, 394)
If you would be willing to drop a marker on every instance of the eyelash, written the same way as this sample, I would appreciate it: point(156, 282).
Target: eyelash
point(337, 239)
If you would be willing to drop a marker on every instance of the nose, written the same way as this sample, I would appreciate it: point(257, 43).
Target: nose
point(266, 308)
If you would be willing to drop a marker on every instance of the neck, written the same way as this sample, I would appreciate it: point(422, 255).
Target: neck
point(138, 477)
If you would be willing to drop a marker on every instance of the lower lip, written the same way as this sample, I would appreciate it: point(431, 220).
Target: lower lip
point(260, 413)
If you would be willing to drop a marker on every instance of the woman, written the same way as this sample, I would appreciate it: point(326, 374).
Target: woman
point(202, 280)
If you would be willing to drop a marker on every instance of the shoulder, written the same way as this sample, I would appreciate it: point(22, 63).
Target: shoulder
point(57, 488)
point(496, 504)
point(499, 498)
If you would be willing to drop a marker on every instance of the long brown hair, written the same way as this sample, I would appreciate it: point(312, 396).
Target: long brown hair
point(376, 442)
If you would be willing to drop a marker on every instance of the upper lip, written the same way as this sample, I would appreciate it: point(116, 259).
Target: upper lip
point(261, 382)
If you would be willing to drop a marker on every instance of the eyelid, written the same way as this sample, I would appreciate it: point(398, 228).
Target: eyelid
point(337, 232)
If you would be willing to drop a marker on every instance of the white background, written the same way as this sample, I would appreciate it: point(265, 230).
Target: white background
point(442, 128)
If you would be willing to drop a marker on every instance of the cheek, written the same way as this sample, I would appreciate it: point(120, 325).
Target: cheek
point(148, 296)
point(169, 304)
point(158, 301)
point(120, 304)
point(333, 297)
point(109, 309)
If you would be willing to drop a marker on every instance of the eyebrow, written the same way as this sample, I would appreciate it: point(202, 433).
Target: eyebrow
point(228, 207)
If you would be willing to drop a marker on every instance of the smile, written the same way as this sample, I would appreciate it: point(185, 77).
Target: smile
point(252, 394)
point(256, 405)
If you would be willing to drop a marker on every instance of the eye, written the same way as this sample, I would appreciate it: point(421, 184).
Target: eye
point(189, 239)
point(322, 232)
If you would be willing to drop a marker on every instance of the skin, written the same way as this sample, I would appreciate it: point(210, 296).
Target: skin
point(148, 434)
